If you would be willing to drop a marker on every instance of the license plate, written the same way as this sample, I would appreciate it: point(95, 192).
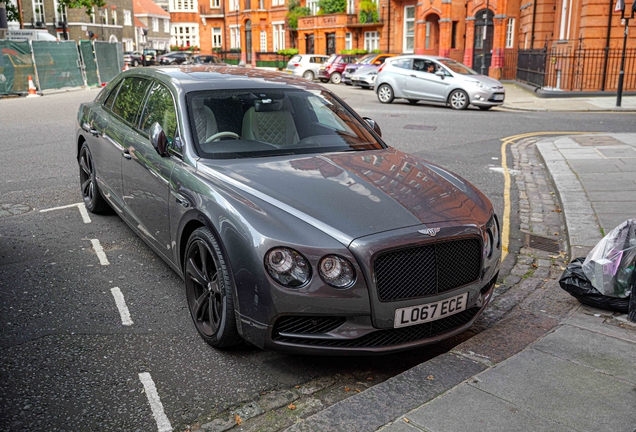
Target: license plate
point(322, 67)
point(499, 97)
point(412, 315)
point(289, 71)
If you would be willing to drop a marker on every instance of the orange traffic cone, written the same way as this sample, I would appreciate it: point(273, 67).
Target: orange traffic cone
point(125, 68)
point(32, 91)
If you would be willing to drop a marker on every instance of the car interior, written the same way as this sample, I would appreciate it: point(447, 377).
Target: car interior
point(249, 123)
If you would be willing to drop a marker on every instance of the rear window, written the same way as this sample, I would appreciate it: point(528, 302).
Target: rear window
point(402, 63)
point(295, 58)
point(229, 124)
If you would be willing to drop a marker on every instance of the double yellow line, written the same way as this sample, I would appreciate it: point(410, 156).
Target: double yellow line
point(505, 229)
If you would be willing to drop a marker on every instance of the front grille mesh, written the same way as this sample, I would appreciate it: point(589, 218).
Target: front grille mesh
point(307, 325)
point(390, 337)
point(418, 271)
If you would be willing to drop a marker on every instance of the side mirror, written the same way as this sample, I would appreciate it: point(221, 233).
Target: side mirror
point(440, 73)
point(374, 125)
point(158, 139)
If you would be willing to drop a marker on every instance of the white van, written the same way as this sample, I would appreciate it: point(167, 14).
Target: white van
point(25, 35)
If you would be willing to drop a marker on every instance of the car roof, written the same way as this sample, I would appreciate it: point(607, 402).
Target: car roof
point(210, 77)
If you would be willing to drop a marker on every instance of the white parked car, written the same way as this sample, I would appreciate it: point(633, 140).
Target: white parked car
point(305, 65)
point(436, 79)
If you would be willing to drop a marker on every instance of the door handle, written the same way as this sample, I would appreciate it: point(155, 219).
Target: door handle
point(413, 76)
point(126, 154)
point(88, 128)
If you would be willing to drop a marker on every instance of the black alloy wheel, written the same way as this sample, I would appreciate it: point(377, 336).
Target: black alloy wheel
point(93, 199)
point(209, 290)
point(135, 63)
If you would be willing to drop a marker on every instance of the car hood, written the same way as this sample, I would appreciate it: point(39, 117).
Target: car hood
point(357, 193)
point(490, 82)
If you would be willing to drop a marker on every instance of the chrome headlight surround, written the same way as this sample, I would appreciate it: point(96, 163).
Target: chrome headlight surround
point(336, 271)
point(492, 237)
point(288, 267)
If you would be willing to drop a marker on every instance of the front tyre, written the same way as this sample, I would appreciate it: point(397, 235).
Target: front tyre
point(385, 93)
point(93, 200)
point(335, 78)
point(209, 290)
point(485, 108)
point(458, 100)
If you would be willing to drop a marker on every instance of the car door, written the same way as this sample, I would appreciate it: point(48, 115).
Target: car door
point(423, 83)
point(146, 174)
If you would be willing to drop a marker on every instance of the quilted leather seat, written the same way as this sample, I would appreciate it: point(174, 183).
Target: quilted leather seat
point(274, 127)
point(204, 121)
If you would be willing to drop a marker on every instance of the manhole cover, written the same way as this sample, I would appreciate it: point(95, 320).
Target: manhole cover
point(597, 141)
point(420, 127)
point(13, 209)
point(542, 243)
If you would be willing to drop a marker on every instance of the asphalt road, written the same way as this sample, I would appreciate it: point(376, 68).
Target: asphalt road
point(66, 360)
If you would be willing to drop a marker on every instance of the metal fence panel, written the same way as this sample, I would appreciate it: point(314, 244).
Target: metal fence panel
point(531, 67)
point(16, 65)
point(57, 64)
point(88, 58)
point(110, 60)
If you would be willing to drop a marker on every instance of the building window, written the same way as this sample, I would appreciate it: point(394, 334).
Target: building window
point(127, 18)
point(235, 36)
point(510, 33)
point(185, 35)
point(428, 35)
point(263, 41)
point(104, 14)
point(409, 29)
point(277, 3)
point(38, 11)
point(348, 43)
point(60, 12)
point(166, 26)
point(234, 5)
point(93, 15)
point(155, 25)
point(216, 37)
point(215, 4)
point(279, 35)
point(182, 6)
point(114, 17)
point(371, 41)
point(454, 35)
point(351, 6)
point(313, 6)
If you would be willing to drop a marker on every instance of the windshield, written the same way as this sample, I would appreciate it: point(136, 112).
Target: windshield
point(457, 67)
point(231, 124)
point(331, 59)
point(366, 59)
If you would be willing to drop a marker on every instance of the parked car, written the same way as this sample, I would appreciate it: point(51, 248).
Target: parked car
point(133, 58)
point(292, 223)
point(374, 60)
point(149, 57)
point(305, 65)
point(437, 79)
point(332, 69)
point(174, 58)
point(364, 77)
point(204, 59)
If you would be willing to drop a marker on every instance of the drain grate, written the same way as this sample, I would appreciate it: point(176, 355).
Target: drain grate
point(13, 209)
point(542, 243)
point(597, 141)
point(420, 127)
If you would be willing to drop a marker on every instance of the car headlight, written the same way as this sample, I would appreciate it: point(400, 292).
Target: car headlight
point(287, 267)
point(372, 73)
point(481, 85)
point(488, 243)
point(496, 234)
point(336, 271)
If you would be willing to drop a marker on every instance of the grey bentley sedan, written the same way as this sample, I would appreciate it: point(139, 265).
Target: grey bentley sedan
point(294, 226)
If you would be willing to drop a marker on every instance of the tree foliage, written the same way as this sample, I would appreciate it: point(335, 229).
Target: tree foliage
point(12, 11)
point(78, 4)
point(368, 12)
point(333, 6)
point(295, 11)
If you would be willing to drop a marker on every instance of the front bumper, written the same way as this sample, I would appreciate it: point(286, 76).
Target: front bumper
point(487, 98)
point(363, 81)
point(354, 329)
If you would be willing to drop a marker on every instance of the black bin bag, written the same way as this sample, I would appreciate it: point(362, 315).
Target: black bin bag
point(574, 281)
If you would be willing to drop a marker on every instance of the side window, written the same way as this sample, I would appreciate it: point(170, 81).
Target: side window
point(402, 63)
point(160, 109)
point(129, 98)
point(111, 97)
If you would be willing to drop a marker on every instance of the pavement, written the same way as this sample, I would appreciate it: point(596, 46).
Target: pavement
point(548, 363)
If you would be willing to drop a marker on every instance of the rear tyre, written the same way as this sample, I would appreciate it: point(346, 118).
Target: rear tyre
point(458, 100)
point(335, 78)
point(385, 94)
point(308, 75)
point(209, 290)
point(173, 63)
point(322, 80)
point(413, 101)
point(485, 108)
point(135, 63)
point(348, 83)
point(93, 200)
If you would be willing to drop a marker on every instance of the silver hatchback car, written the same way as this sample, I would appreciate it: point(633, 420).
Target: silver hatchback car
point(305, 65)
point(436, 79)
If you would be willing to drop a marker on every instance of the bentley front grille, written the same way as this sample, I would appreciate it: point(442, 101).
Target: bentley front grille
point(422, 270)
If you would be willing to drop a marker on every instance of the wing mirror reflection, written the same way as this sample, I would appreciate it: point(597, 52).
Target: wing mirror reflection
point(374, 125)
point(158, 139)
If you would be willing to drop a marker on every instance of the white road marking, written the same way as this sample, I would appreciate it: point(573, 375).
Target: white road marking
point(163, 424)
point(121, 306)
point(84, 213)
point(512, 172)
point(100, 252)
point(80, 206)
